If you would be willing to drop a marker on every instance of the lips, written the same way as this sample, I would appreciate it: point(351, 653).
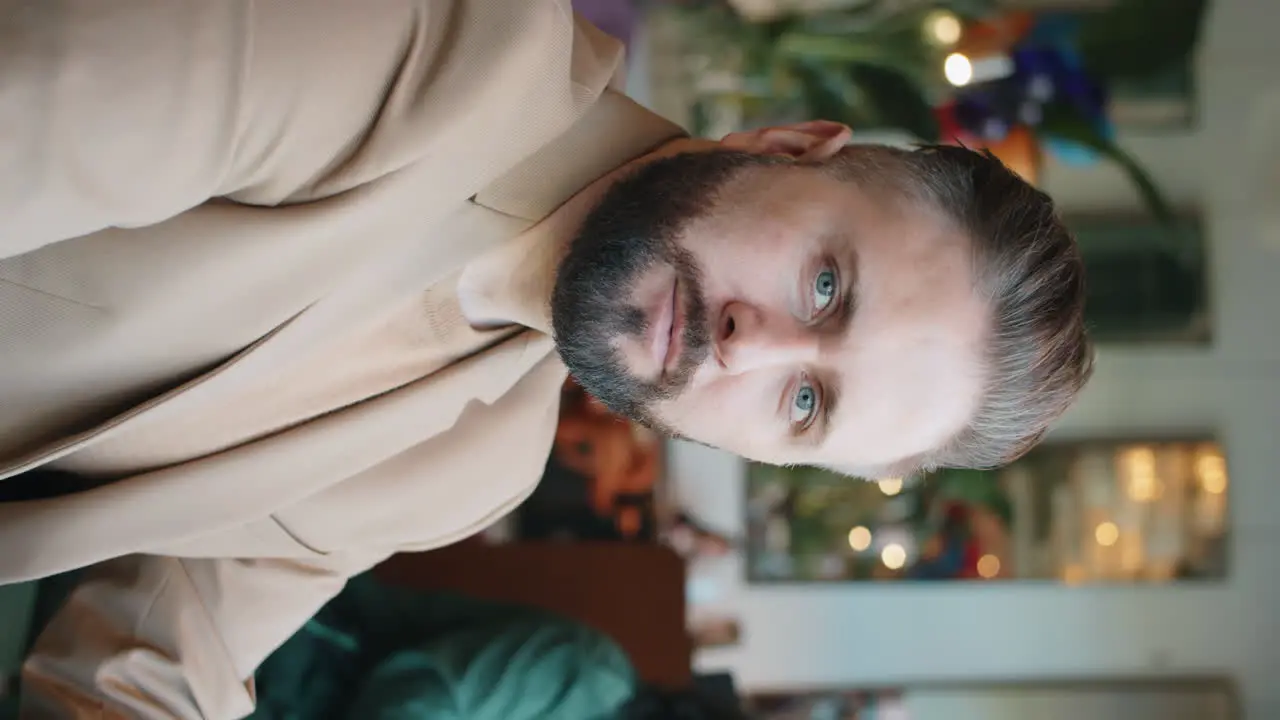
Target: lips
point(675, 333)
point(664, 323)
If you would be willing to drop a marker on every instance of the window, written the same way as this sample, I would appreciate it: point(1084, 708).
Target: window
point(1081, 512)
point(1145, 283)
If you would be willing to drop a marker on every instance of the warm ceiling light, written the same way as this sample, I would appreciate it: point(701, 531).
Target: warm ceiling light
point(958, 69)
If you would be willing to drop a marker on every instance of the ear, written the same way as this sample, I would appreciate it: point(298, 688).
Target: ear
point(813, 140)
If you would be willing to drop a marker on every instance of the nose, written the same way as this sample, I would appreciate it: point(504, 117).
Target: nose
point(748, 338)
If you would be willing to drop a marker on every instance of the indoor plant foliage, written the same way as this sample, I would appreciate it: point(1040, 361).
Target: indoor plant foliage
point(887, 64)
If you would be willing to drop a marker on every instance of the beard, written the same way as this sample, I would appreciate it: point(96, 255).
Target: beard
point(639, 224)
point(636, 227)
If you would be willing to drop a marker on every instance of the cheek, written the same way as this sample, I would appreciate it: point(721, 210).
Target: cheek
point(760, 273)
point(745, 241)
point(730, 414)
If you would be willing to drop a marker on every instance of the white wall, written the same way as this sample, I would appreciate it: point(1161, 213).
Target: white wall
point(892, 633)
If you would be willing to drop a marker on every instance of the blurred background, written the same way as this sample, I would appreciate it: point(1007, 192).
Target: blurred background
point(1130, 568)
point(1127, 569)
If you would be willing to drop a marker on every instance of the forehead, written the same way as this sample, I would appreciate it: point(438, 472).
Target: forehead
point(804, 202)
point(910, 368)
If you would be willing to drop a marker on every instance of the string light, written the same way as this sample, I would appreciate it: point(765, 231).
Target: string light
point(1144, 486)
point(942, 27)
point(890, 486)
point(1211, 468)
point(860, 538)
point(894, 556)
point(1106, 534)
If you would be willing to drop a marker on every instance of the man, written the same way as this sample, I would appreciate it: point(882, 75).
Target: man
point(280, 281)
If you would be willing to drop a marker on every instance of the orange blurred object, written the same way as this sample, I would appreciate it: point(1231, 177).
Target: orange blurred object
point(615, 457)
point(995, 36)
point(1021, 152)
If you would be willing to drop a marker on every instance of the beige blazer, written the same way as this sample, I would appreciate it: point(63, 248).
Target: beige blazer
point(194, 194)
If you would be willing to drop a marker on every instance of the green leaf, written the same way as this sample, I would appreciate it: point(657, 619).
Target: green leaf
point(700, 117)
point(828, 94)
point(866, 97)
point(902, 56)
point(1136, 38)
point(900, 102)
point(1065, 124)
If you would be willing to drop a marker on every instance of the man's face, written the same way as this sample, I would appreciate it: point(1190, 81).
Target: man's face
point(776, 310)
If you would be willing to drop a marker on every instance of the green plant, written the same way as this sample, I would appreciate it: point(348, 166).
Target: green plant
point(869, 67)
point(872, 67)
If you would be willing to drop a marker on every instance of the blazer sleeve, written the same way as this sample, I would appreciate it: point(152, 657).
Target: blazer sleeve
point(127, 113)
point(158, 637)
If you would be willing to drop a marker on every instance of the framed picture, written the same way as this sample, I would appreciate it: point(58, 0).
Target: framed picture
point(1147, 511)
point(1147, 281)
point(1161, 102)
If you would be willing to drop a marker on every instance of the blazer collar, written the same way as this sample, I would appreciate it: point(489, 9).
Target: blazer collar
point(513, 282)
point(615, 131)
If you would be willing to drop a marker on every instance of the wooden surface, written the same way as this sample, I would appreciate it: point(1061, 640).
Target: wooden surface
point(633, 592)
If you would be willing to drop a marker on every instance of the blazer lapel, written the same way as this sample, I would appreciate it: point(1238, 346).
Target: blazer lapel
point(615, 131)
point(390, 276)
point(395, 268)
point(259, 477)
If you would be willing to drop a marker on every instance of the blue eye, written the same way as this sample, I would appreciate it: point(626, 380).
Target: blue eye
point(804, 404)
point(824, 289)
